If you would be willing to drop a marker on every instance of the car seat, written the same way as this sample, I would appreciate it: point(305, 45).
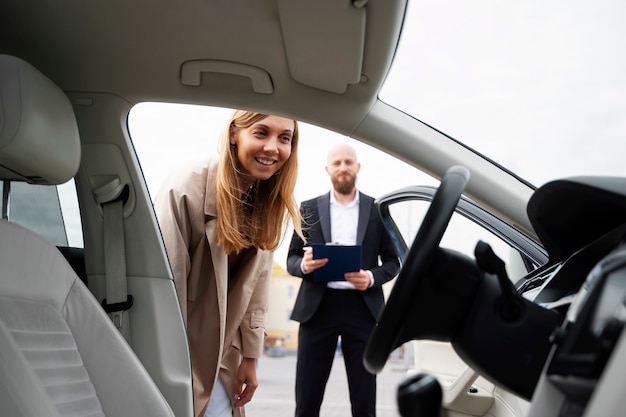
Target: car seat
point(60, 354)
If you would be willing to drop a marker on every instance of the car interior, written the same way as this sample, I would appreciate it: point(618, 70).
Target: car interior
point(58, 340)
point(95, 327)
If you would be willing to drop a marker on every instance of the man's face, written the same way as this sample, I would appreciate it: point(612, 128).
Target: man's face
point(342, 167)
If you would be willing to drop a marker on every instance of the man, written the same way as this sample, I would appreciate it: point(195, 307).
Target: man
point(347, 309)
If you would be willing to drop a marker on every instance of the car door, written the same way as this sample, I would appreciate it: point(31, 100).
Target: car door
point(465, 393)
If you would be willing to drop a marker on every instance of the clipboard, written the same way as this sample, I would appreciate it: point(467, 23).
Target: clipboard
point(341, 259)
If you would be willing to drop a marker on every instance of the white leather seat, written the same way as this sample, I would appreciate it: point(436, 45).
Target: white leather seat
point(60, 355)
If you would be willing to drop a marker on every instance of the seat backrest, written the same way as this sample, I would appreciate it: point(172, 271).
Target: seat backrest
point(60, 355)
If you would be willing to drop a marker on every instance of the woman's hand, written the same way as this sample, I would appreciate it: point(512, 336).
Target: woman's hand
point(247, 382)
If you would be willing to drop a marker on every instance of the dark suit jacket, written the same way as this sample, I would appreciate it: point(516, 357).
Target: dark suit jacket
point(371, 235)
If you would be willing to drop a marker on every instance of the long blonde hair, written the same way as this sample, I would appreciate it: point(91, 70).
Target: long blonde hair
point(263, 224)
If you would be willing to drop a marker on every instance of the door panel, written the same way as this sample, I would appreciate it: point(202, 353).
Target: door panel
point(465, 393)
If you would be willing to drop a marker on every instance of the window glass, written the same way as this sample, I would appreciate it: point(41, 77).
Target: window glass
point(462, 234)
point(50, 211)
point(536, 86)
point(190, 133)
point(68, 199)
point(37, 208)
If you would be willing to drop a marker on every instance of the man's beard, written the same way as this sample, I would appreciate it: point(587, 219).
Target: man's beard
point(344, 185)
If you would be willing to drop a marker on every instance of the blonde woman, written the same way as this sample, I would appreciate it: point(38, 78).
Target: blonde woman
point(221, 222)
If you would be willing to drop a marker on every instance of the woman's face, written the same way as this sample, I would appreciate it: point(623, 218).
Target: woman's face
point(264, 147)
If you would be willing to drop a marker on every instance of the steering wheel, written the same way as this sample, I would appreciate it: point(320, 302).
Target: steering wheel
point(409, 291)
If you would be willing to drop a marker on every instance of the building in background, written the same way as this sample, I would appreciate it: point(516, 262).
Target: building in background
point(282, 332)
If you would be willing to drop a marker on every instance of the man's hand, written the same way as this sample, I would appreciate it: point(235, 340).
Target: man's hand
point(360, 280)
point(309, 264)
point(247, 382)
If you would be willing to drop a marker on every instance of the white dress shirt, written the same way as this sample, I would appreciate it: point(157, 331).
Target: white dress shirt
point(344, 221)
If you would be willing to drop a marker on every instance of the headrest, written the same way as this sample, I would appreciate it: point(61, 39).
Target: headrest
point(39, 141)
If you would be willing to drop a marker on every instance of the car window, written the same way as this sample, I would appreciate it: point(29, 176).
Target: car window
point(168, 136)
point(50, 211)
point(536, 86)
point(461, 235)
point(187, 133)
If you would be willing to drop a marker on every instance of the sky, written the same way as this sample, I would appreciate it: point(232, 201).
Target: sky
point(538, 86)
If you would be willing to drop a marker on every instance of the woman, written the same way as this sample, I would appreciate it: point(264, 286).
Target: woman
point(221, 222)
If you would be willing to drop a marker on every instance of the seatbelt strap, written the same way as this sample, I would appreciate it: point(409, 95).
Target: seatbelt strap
point(111, 197)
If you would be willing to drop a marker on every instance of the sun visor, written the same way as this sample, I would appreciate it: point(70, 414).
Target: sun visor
point(324, 41)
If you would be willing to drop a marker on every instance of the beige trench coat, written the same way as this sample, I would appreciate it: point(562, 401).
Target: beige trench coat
point(225, 321)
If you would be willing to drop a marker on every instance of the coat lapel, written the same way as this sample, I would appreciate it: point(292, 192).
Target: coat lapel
point(219, 258)
point(220, 266)
point(323, 208)
point(365, 208)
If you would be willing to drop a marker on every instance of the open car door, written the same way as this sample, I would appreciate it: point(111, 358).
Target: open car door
point(465, 393)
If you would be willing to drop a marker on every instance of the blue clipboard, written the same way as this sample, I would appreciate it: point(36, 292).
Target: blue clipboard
point(341, 259)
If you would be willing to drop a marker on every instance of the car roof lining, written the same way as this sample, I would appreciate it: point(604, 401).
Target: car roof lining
point(84, 54)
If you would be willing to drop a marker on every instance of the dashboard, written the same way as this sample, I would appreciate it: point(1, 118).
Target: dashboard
point(550, 338)
point(582, 222)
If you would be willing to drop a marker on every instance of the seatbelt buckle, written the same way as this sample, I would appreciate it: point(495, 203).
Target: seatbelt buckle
point(118, 307)
point(117, 317)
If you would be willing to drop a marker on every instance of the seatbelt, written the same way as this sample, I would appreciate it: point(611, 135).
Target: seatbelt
point(112, 197)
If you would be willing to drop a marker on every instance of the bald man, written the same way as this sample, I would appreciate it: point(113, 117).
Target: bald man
point(347, 309)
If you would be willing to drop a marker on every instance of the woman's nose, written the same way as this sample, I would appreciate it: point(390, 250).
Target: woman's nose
point(271, 145)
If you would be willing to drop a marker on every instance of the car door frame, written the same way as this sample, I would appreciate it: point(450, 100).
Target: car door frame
point(531, 251)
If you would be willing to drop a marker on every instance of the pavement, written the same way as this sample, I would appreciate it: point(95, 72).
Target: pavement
point(275, 395)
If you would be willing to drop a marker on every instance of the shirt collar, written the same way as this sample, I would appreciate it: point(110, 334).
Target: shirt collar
point(333, 200)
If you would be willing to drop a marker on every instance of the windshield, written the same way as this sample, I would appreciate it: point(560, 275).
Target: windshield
point(539, 87)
